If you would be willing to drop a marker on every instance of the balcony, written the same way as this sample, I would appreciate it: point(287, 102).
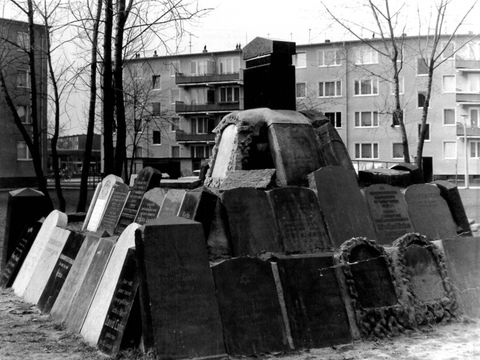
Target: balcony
point(182, 108)
point(182, 137)
point(467, 65)
point(471, 131)
point(192, 80)
point(468, 98)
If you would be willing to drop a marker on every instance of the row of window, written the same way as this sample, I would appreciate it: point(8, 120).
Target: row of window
point(196, 151)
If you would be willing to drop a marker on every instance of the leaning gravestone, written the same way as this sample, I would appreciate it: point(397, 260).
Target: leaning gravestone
point(53, 220)
point(249, 306)
point(180, 316)
point(314, 303)
point(172, 202)
point(388, 210)
point(86, 291)
point(96, 315)
point(252, 225)
point(60, 271)
point(147, 178)
point(429, 212)
point(299, 220)
point(199, 205)
point(463, 262)
point(150, 205)
point(92, 205)
point(342, 204)
point(114, 208)
point(46, 264)
point(451, 195)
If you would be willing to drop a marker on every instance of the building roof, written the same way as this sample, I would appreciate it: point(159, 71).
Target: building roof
point(163, 57)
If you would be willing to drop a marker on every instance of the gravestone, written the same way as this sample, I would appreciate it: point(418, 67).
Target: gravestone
point(388, 210)
point(258, 179)
point(91, 206)
point(342, 204)
point(86, 291)
point(251, 222)
point(46, 264)
point(392, 177)
point(60, 271)
point(53, 220)
point(218, 241)
point(416, 176)
point(463, 262)
point(147, 179)
point(24, 207)
point(114, 208)
point(172, 202)
point(103, 198)
point(299, 221)
point(429, 212)
point(150, 205)
point(75, 277)
point(314, 303)
point(120, 307)
point(180, 316)
point(450, 193)
point(97, 313)
point(225, 154)
point(19, 254)
point(199, 205)
point(249, 307)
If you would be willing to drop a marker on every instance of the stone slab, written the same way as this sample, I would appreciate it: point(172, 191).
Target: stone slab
point(199, 205)
point(91, 206)
point(179, 310)
point(389, 212)
point(429, 212)
point(258, 179)
point(101, 202)
point(114, 208)
point(249, 306)
point(450, 193)
point(384, 176)
point(225, 153)
point(150, 206)
point(172, 202)
point(218, 241)
point(299, 220)
point(251, 222)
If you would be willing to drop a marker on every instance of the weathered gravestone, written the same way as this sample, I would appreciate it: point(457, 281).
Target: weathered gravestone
point(172, 202)
point(299, 220)
point(249, 306)
point(421, 266)
point(86, 291)
point(388, 210)
point(118, 314)
point(19, 254)
point(107, 185)
point(199, 205)
point(147, 178)
point(53, 220)
point(372, 287)
point(463, 263)
point(114, 208)
point(342, 204)
point(429, 213)
point(75, 277)
point(46, 264)
point(224, 153)
point(91, 206)
point(24, 207)
point(258, 179)
point(150, 205)
point(180, 316)
point(97, 312)
point(60, 271)
point(251, 222)
point(314, 303)
point(218, 241)
point(451, 195)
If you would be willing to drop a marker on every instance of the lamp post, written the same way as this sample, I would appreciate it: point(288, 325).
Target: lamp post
point(467, 182)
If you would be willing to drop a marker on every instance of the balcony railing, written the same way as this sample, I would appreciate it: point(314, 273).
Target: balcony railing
point(181, 79)
point(182, 108)
point(468, 98)
point(471, 131)
point(182, 136)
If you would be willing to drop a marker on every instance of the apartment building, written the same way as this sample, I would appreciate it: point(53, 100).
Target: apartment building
point(16, 167)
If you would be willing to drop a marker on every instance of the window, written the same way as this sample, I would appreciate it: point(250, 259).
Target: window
point(301, 90)
point(397, 116)
point(422, 68)
point(156, 82)
point(300, 60)
point(421, 98)
point(448, 83)
point(427, 131)
point(366, 150)
point(475, 149)
point(157, 137)
point(329, 57)
point(366, 87)
point(335, 118)
point(138, 152)
point(174, 124)
point(138, 125)
point(202, 125)
point(201, 67)
point(366, 55)
point(228, 65)
point(23, 112)
point(23, 40)
point(23, 79)
point(175, 151)
point(174, 95)
point(156, 108)
point(449, 150)
point(22, 151)
point(200, 151)
point(397, 150)
point(449, 49)
point(366, 119)
point(448, 116)
point(330, 88)
point(401, 86)
point(473, 82)
point(229, 94)
point(474, 117)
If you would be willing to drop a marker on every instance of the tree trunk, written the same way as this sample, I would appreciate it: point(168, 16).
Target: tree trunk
point(108, 95)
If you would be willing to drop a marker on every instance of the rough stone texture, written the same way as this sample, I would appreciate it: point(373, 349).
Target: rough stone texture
point(150, 205)
point(251, 222)
point(218, 241)
point(114, 208)
point(429, 212)
point(388, 211)
point(258, 179)
point(249, 307)
point(342, 204)
point(300, 223)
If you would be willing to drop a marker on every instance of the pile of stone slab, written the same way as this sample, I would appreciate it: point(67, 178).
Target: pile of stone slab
point(279, 250)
